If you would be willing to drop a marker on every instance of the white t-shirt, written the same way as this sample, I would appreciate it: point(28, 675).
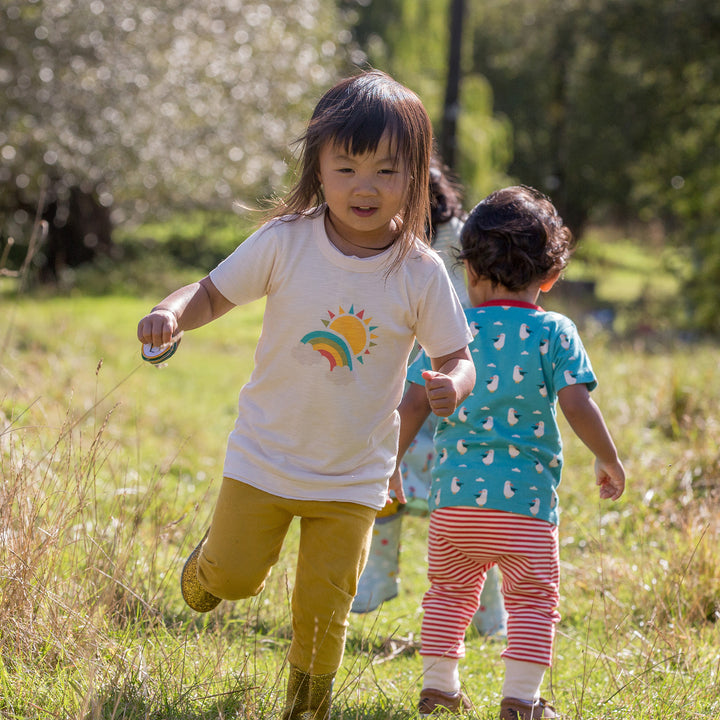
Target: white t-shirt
point(317, 419)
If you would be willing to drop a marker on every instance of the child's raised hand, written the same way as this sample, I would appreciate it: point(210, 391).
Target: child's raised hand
point(441, 392)
point(610, 477)
point(157, 327)
point(395, 485)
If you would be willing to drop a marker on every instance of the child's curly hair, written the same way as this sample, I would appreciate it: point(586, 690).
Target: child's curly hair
point(515, 237)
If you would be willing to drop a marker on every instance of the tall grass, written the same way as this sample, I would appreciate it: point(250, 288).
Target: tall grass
point(109, 474)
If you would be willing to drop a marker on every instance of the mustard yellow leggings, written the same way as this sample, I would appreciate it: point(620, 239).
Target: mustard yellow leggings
point(247, 532)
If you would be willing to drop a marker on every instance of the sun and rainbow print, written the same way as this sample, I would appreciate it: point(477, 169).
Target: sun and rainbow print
point(347, 338)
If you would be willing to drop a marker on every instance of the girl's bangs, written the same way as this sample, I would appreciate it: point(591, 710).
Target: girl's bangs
point(362, 133)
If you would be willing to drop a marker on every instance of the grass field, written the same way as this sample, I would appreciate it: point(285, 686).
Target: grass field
point(109, 473)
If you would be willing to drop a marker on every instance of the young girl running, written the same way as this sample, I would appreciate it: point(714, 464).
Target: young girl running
point(349, 285)
point(499, 457)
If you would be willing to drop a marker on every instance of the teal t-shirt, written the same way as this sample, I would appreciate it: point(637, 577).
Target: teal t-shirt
point(501, 449)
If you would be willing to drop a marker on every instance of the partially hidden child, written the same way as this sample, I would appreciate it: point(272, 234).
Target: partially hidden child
point(380, 580)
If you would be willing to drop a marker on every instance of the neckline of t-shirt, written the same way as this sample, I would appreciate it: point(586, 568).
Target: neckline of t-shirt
point(350, 262)
point(509, 303)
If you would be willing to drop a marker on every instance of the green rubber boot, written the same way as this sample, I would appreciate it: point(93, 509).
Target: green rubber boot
point(308, 696)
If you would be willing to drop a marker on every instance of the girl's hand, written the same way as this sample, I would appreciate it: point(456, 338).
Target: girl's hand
point(395, 485)
point(158, 327)
point(441, 392)
point(610, 477)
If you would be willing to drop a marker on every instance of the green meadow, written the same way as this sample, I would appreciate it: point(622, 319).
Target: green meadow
point(110, 469)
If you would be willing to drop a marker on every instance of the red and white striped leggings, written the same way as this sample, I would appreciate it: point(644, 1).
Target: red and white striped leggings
point(463, 543)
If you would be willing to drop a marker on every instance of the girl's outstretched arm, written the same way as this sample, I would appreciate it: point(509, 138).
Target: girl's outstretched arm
point(587, 422)
point(187, 308)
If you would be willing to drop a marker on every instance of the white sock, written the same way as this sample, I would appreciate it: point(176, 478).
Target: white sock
point(523, 680)
point(441, 673)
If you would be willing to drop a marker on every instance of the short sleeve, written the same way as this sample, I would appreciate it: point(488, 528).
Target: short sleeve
point(571, 363)
point(245, 275)
point(442, 327)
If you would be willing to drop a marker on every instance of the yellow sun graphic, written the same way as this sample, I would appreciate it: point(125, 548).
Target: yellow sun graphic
point(354, 328)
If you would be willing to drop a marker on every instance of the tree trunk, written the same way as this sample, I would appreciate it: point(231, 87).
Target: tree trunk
point(451, 110)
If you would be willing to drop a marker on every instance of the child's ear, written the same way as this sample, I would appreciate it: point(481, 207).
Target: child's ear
point(469, 273)
point(551, 280)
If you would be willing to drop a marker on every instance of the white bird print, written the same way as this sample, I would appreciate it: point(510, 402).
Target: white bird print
point(455, 486)
point(437, 497)
point(461, 447)
point(488, 423)
point(525, 332)
point(535, 506)
point(443, 455)
point(518, 374)
point(508, 490)
point(488, 457)
point(543, 347)
point(570, 378)
point(554, 462)
point(539, 466)
point(474, 328)
point(492, 383)
point(513, 416)
point(463, 414)
point(564, 341)
point(539, 429)
point(499, 341)
point(514, 452)
point(542, 389)
point(481, 497)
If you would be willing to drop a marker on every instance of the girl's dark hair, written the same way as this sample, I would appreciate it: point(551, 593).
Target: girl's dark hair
point(355, 114)
point(515, 237)
point(445, 194)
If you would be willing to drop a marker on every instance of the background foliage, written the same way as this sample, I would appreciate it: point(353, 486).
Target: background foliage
point(610, 106)
point(615, 108)
point(161, 104)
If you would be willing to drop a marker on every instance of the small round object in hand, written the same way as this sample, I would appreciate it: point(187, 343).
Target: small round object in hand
point(158, 355)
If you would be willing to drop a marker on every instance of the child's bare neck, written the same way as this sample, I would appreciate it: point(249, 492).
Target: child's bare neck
point(484, 292)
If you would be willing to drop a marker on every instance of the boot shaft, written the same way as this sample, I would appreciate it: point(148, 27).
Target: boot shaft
point(308, 696)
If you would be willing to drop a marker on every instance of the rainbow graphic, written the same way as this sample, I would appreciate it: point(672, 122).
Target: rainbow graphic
point(348, 335)
point(331, 346)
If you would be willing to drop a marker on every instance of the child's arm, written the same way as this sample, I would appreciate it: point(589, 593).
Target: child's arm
point(414, 409)
point(587, 422)
point(185, 309)
point(450, 381)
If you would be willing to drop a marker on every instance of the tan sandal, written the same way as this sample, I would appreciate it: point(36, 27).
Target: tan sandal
point(514, 709)
point(434, 701)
